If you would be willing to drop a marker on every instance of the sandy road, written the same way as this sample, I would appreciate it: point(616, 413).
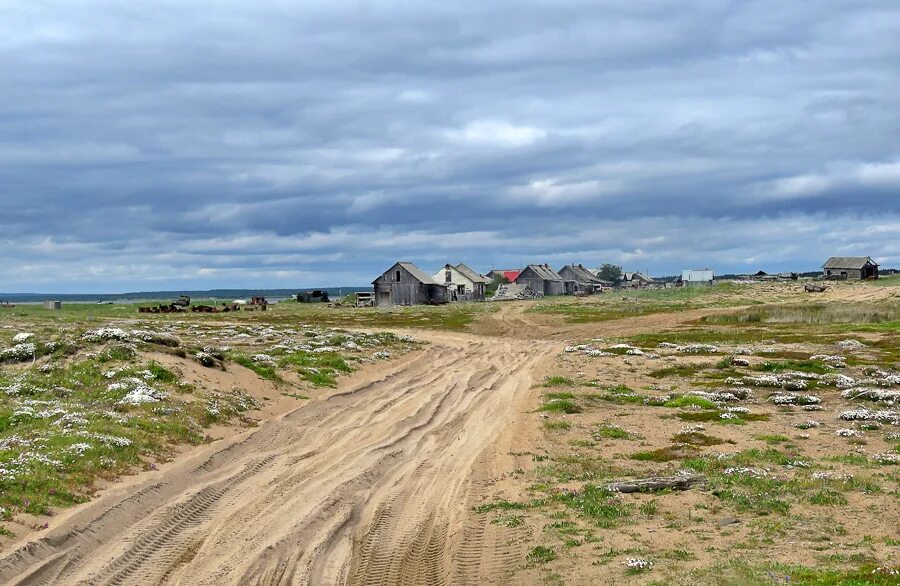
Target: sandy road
point(374, 485)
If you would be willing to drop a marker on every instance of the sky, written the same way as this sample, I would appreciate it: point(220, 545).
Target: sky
point(171, 144)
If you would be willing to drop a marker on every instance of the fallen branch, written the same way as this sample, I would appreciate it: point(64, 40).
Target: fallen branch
point(686, 482)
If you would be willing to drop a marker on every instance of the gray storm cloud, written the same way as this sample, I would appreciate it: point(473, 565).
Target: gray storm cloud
point(210, 144)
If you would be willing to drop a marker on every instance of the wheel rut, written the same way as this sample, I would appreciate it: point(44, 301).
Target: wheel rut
point(373, 485)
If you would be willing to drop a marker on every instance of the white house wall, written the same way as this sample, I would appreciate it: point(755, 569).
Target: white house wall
point(457, 279)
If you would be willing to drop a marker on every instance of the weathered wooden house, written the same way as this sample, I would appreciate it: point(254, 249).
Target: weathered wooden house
point(543, 279)
point(638, 281)
point(851, 268)
point(585, 281)
point(463, 284)
point(406, 284)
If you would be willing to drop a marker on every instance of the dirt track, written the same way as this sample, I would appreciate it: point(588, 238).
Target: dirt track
point(373, 485)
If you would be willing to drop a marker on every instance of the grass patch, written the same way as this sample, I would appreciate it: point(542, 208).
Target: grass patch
point(798, 365)
point(612, 432)
point(696, 438)
point(541, 555)
point(716, 417)
point(558, 381)
point(499, 505)
point(597, 504)
point(266, 372)
point(508, 520)
point(773, 438)
point(690, 401)
point(560, 406)
point(557, 425)
point(667, 454)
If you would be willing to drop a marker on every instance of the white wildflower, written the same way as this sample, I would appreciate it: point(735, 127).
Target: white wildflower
point(22, 337)
point(848, 433)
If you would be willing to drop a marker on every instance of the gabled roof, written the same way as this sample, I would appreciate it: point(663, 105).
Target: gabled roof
point(543, 272)
point(512, 275)
point(848, 262)
point(638, 276)
point(418, 273)
point(582, 275)
point(471, 275)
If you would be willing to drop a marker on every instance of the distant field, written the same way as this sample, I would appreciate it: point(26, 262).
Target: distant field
point(443, 317)
point(624, 304)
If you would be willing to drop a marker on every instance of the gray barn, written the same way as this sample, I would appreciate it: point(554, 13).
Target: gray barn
point(851, 268)
point(406, 284)
point(543, 279)
point(585, 281)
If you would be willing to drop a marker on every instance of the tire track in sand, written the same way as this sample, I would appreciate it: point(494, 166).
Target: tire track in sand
point(374, 485)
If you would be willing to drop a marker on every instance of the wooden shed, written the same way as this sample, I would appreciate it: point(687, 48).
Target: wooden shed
point(406, 284)
point(543, 279)
point(585, 281)
point(850, 268)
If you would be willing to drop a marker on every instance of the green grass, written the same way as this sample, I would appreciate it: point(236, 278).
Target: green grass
point(612, 432)
point(85, 432)
point(696, 438)
point(540, 555)
point(715, 417)
point(266, 372)
point(560, 406)
point(508, 520)
point(814, 313)
point(625, 304)
point(799, 365)
point(680, 370)
point(558, 381)
point(667, 454)
point(557, 425)
point(773, 438)
point(690, 401)
point(499, 505)
point(596, 504)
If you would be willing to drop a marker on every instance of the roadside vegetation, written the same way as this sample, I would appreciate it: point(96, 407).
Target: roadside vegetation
point(785, 413)
point(84, 401)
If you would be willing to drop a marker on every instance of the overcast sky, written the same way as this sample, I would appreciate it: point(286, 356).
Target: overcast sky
point(200, 144)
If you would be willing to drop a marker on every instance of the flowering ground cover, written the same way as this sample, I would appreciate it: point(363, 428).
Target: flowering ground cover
point(794, 430)
point(82, 403)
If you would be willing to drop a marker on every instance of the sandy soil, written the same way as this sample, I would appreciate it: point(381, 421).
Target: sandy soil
point(371, 484)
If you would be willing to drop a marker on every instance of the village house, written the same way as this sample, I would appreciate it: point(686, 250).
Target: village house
point(406, 284)
point(851, 268)
point(463, 284)
point(585, 281)
point(693, 277)
point(508, 274)
point(542, 279)
point(638, 281)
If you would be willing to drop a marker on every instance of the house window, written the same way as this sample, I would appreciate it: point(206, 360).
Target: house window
point(461, 289)
point(398, 276)
point(448, 276)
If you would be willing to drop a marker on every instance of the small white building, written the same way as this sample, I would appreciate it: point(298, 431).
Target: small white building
point(463, 283)
point(697, 277)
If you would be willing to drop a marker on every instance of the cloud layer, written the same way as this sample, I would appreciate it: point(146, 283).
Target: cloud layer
point(219, 144)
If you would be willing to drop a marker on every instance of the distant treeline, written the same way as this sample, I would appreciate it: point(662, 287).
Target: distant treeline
point(227, 294)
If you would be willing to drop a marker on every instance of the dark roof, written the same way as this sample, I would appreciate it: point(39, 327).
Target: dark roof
point(848, 262)
point(639, 277)
point(418, 273)
point(582, 275)
point(471, 275)
point(544, 272)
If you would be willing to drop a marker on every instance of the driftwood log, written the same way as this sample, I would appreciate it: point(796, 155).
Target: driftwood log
point(685, 482)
